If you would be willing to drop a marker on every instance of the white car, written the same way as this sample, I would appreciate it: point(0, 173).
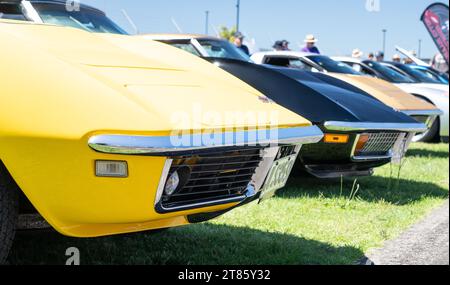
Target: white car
point(437, 94)
point(393, 96)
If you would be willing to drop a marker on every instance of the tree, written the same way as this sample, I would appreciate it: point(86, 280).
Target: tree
point(227, 34)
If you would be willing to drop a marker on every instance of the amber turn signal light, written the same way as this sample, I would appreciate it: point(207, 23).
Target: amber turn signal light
point(335, 138)
point(363, 139)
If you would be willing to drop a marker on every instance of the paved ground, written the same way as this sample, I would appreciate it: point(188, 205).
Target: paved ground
point(426, 243)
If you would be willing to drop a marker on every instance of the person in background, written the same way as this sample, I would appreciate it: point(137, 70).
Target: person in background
point(285, 45)
point(438, 62)
point(371, 56)
point(408, 60)
point(278, 46)
point(396, 58)
point(357, 54)
point(310, 46)
point(239, 43)
point(379, 56)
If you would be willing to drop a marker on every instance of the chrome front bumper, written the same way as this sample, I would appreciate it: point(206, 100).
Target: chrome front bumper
point(431, 115)
point(406, 133)
point(163, 145)
point(369, 126)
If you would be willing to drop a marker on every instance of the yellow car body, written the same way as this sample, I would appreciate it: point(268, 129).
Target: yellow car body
point(63, 86)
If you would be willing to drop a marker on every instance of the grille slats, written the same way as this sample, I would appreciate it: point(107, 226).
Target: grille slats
point(207, 192)
point(216, 184)
point(230, 157)
point(219, 164)
point(222, 177)
point(378, 144)
point(172, 204)
point(223, 170)
point(214, 176)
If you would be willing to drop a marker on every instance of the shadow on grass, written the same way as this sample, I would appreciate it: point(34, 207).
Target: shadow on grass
point(427, 153)
point(201, 244)
point(372, 189)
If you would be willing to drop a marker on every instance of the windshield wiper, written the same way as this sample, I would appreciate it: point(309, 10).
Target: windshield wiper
point(80, 24)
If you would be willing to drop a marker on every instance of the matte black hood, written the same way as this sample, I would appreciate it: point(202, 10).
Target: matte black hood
point(317, 98)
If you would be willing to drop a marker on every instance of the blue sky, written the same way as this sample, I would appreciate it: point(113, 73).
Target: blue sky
point(340, 25)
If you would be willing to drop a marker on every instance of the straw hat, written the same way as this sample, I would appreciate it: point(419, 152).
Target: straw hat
point(357, 53)
point(311, 39)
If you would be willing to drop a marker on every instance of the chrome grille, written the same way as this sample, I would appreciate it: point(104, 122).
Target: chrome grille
point(214, 176)
point(378, 144)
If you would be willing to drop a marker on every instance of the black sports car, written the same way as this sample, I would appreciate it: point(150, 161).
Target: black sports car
point(361, 133)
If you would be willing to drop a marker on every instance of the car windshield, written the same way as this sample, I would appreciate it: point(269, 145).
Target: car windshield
point(421, 75)
point(84, 18)
point(11, 11)
point(331, 65)
point(388, 73)
point(182, 44)
point(223, 49)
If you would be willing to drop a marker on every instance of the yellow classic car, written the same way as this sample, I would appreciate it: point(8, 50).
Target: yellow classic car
point(105, 134)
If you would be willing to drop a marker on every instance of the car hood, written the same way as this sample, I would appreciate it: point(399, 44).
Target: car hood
point(424, 89)
point(386, 92)
point(441, 87)
point(312, 98)
point(127, 83)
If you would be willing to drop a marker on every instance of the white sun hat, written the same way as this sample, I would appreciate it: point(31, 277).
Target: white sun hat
point(311, 39)
point(357, 53)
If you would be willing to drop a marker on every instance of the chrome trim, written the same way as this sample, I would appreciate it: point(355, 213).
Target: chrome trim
point(436, 112)
point(163, 179)
point(353, 126)
point(30, 12)
point(254, 187)
point(402, 145)
point(210, 203)
point(162, 183)
point(269, 156)
point(367, 158)
point(199, 48)
point(430, 121)
point(403, 138)
point(372, 158)
point(250, 193)
point(432, 116)
point(154, 145)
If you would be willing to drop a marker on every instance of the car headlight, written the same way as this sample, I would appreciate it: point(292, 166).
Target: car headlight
point(177, 180)
point(172, 183)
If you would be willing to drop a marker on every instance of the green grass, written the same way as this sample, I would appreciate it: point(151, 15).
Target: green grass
point(309, 222)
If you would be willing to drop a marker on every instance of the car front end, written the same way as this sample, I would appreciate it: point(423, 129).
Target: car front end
point(357, 139)
point(137, 138)
point(355, 149)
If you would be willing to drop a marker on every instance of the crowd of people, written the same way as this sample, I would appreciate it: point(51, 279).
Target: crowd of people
point(310, 46)
point(283, 45)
